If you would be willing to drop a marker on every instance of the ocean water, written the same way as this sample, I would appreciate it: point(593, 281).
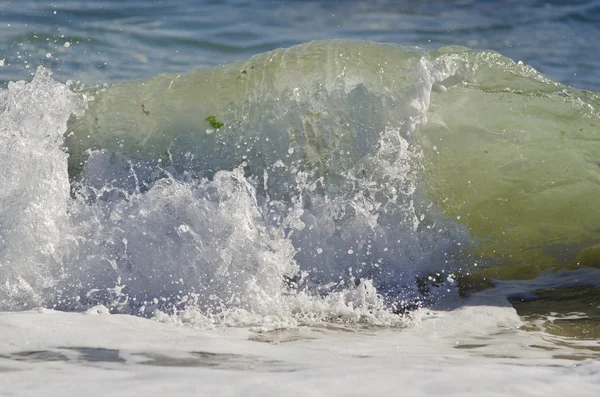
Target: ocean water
point(316, 198)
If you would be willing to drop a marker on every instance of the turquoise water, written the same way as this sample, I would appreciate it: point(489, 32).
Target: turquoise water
point(122, 40)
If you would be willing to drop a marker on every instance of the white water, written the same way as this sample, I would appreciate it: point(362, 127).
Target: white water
point(140, 237)
point(472, 351)
point(200, 254)
point(35, 187)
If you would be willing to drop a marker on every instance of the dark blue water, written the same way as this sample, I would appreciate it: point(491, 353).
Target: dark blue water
point(113, 40)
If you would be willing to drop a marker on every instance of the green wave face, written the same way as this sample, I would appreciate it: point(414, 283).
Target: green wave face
point(321, 93)
point(517, 158)
point(492, 144)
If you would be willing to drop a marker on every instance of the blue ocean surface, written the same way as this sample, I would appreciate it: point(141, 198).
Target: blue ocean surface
point(112, 40)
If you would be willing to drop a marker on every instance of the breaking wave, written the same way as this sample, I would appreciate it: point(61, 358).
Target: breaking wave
point(336, 180)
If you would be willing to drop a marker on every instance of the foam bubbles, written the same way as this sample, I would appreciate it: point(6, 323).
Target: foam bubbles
point(306, 206)
point(35, 187)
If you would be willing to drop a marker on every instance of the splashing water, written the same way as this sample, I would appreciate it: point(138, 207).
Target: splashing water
point(313, 201)
point(35, 188)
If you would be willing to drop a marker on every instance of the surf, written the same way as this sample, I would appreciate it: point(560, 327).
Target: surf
point(334, 179)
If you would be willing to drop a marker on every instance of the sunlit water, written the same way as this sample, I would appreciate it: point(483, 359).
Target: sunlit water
point(335, 186)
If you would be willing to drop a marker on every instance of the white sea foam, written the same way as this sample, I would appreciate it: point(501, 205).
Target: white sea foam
point(143, 236)
point(34, 189)
point(301, 252)
point(473, 351)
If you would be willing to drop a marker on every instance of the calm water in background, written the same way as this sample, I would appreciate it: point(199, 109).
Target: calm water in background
point(113, 40)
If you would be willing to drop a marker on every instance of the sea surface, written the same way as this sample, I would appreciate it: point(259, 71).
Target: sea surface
point(123, 40)
point(300, 197)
